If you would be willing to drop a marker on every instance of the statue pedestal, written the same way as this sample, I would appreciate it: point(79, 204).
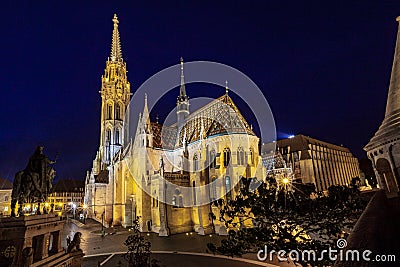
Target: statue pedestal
point(34, 240)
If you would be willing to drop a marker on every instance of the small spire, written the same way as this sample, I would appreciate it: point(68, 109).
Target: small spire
point(157, 118)
point(226, 87)
point(182, 91)
point(184, 138)
point(116, 53)
point(146, 115)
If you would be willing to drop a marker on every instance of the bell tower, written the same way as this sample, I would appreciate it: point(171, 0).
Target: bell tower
point(115, 96)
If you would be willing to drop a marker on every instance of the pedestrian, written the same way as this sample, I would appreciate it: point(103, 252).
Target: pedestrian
point(68, 240)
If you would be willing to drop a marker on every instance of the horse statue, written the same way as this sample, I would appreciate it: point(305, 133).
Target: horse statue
point(75, 243)
point(33, 184)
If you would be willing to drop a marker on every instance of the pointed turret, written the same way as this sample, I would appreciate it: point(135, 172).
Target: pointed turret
point(183, 101)
point(390, 127)
point(116, 53)
point(383, 148)
point(182, 91)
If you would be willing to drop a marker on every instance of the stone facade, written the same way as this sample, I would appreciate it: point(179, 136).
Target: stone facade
point(384, 147)
point(318, 162)
point(137, 178)
point(34, 240)
point(5, 197)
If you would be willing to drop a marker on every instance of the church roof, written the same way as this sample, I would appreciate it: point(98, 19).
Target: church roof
point(102, 177)
point(69, 186)
point(390, 128)
point(220, 116)
point(163, 136)
point(5, 184)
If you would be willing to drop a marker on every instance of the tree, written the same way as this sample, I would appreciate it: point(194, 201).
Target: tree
point(139, 251)
point(300, 219)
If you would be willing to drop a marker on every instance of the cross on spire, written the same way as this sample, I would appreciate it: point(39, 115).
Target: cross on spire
point(116, 52)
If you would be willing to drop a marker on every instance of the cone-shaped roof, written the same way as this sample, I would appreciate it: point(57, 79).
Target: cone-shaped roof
point(390, 127)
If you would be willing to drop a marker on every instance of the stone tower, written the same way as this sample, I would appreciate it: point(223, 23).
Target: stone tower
point(182, 105)
point(384, 147)
point(115, 96)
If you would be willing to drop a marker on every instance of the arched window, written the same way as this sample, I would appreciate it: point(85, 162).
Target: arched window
point(108, 136)
point(118, 112)
point(109, 111)
point(213, 159)
point(251, 156)
point(227, 156)
point(117, 137)
point(194, 193)
point(240, 156)
point(214, 189)
point(228, 187)
point(180, 201)
point(174, 201)
point(195, 163)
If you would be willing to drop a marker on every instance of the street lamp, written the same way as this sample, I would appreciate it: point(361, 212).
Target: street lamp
point(74, 208)
point(102, 224)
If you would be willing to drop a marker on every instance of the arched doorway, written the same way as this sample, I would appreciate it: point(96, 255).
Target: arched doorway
point(386, 175)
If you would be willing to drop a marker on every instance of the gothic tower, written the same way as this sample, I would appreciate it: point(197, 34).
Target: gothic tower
point(384, 148)
point(115, 96)
point(182, 105)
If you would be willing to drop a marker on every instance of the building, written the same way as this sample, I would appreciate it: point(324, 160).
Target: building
point(141, 177)
point(5, 197)
point(384, 147)
point(318, 162)
point(67, 194)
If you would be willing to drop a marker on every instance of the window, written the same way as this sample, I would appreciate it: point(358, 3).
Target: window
point(118, 112)
point(109, 111)
point(194, 193)
point(108, 137)
point(174, 201)
point(117, 140)
point(6, 198)
point(214, 189)
point(227, 156)
point(251, 156)
point(180, 201)
point(195, 163)
point(240, 156)
point(228, 187)
point(213, 159)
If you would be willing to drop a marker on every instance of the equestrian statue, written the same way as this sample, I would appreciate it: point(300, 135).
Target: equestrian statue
point(33, 184)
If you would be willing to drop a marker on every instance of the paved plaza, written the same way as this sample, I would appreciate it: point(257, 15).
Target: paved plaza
point(178, 250)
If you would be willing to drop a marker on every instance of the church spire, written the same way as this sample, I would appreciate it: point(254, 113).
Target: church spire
point(116, 53)
point(183, 101)
point(182, 91)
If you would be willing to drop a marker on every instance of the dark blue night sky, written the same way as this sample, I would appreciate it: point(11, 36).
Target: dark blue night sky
point(323, 66)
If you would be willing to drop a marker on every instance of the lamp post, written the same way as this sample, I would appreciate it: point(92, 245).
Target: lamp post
point(285, 182)
point(74, 208)
point(102, 224)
